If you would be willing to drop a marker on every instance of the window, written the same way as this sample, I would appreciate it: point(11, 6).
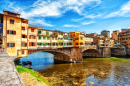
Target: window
point(23, 44)
point(39, 37)
point(52, 38)
point(31, 37)
point(43, 44)
point(40, 43)
point(81, 43)
point(76, 38)
point(65, 44)
point(81, 38)
point(44, 38)
point(39, 32)
point(48, 38)
point(11, 32)
point(47, 33)
point(22, 51)
point(32, 30)
point(11, 21)
point(23, 28)
point(26, 22)
point(32, 44)
point(11, 44)
point(60, 33)
point(76, 43)
point(70, 43)
point(24, 36)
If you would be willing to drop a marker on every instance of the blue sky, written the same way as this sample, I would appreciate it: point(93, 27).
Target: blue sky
point(70, 15)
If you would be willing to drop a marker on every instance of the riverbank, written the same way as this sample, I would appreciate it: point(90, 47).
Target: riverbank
point(31, 77)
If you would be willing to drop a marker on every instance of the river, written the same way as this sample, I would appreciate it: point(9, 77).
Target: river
point(91, 72)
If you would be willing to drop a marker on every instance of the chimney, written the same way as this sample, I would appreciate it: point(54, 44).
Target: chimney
point(4, 10)
point(17, 12)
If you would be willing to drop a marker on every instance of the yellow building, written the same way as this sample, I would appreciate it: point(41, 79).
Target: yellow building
point(60, 36)
point(78, 40)
point(14, 34)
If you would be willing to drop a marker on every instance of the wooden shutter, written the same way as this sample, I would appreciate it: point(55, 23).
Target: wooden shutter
point(13, 44)
point(7, 44)
point(7, 31)
point(29, 43)
point(34, 37)
point(15, 32)
point(25, 44)
point(29, 36)
point(25, 36)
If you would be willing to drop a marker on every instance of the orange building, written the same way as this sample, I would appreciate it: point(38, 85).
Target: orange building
point(78, 40)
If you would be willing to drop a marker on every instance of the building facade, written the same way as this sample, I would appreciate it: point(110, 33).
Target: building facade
point(124, 38)
point(115, 35)
point(106, 33)
point(18, 36)
point(78, 40)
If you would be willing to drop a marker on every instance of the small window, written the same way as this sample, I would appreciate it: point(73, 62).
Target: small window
point(32, 30)
point(76, 43)
point(39, 37)
point(11, 44)
point(39, 32)
point(23, 44)
point(11, 32)
point(22, 51)
point(23, 28)
point(32, 37)
point(11, 21)
point(24, 36)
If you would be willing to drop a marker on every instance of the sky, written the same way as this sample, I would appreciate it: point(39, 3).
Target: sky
point(73, 15)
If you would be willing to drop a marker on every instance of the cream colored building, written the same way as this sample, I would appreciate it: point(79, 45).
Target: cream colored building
point(88, 40)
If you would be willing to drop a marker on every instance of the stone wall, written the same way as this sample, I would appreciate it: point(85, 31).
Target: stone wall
point(128, 51)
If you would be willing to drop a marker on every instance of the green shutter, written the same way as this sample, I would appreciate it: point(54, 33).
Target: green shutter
point(37, 43)
point(39, 31)
point(46, 43)
point(44, 38)
point(48, 38)
point(50, 44)
point(47, 33)
point(39, 37)
point(64, 44)
point(67, 44)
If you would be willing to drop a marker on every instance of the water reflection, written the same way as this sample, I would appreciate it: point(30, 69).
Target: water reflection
point(92, 72)
point(40, 60)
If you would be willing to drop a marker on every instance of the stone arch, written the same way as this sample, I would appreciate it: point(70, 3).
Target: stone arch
point(91, 53)
point(59, 56)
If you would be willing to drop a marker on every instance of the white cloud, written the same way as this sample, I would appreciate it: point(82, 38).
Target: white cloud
point(42, 22)
point(57, 8)
point(68, 25)
point(87, 23)
point(88, 16)
point(123, 11)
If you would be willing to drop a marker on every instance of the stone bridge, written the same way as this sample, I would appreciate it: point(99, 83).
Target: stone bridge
point(70, 54)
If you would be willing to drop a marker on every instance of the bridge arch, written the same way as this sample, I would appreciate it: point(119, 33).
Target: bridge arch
point(91, 53)
point(59, 57)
